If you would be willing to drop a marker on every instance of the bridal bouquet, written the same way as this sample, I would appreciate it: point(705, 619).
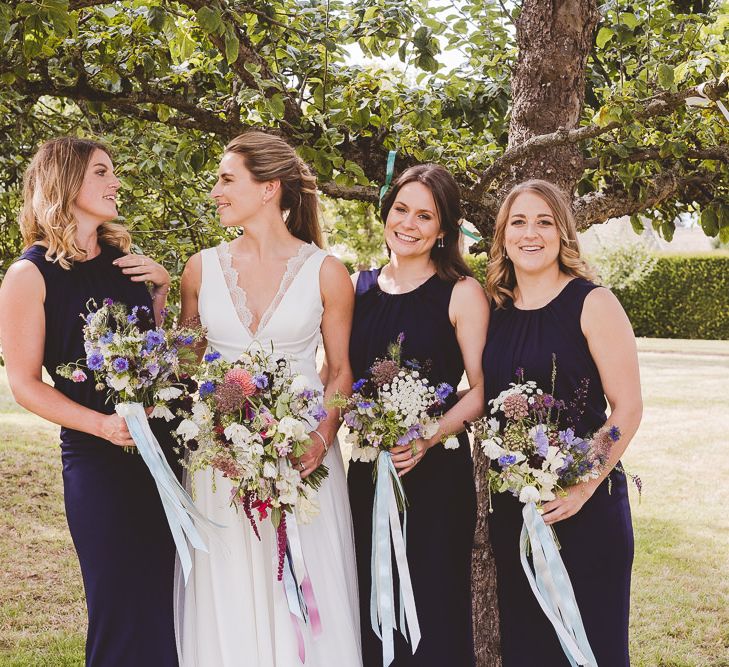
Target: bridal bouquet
point(535, 460)
point(394, 405)
point(142, 365)
point(251, 416)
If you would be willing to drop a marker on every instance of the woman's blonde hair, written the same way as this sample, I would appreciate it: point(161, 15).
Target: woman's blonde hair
point(51, 184)
point(270, 158)
point(500, 276)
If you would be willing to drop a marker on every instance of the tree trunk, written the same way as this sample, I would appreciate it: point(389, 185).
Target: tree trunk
point(548, 88)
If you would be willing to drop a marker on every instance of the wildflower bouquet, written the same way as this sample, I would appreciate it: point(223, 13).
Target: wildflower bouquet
point(251, 416)
point(394, 405)
point(143, 365)
point(534, 460)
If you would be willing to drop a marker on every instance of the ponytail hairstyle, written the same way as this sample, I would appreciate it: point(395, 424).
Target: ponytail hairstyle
point(448, 260)
point(500, 275)
point(51, 184)
point(269, 158)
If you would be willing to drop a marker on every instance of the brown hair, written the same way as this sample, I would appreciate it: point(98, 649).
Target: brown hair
point(500, 276)
point(448, 260)
point(51, 184)
point(270, 158)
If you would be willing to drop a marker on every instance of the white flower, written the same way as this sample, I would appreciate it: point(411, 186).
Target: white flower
point(269, 470)
point(293, 428)
point(201, 412)
point(238, 434)
point(162, 411)
point(546, 494)
point(492, 448)
point(299, 384)
point(306, 508)
point(429, 430)
point(188, 429)
point(529, 494)
point(118, 382)
point(451, 443)
point(494, 425)
point(168, 393)
point(554, 460)
point(365, 454)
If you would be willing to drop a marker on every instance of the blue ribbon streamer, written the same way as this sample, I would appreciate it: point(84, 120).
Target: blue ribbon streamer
point(551, 586)
point(390, 170)
point(176, 502)
point(387, 535)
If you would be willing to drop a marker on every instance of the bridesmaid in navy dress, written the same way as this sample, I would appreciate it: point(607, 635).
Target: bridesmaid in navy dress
point(75, 253)
point(424, 293)
point(543, 304)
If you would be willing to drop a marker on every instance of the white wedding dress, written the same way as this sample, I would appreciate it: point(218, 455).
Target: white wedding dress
point(233, 610)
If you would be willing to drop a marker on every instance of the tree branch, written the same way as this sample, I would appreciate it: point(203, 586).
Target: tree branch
point(660, 105)
point(713, 153)
point(598, 207)
point(352, 192)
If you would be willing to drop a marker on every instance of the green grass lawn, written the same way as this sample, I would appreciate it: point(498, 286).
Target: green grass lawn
point(680, 606)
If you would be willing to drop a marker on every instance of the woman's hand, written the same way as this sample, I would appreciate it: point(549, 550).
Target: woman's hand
point(312, 458)
point(141, 268)
point(406, 457)
point(114, 429)
point(568, 504)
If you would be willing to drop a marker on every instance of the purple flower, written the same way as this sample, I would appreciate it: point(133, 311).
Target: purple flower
point(548, 401)
point(567, 437)
point(154, 338)
point(412, 433)
point(520, 374)
point(261, 381)
point(132, 319)
point(207, 387)
point(541, 441)
point(108, 302)
point(507, 460)
point(443, 391)
point(359, 384)
point(352, 420)
point(614, 433)
point(107, 337)
point(318, 413)
point(212, 356)
point(120, 364)
point(365, 405)
point(89, 317)
point(95, 361)
point(401, 338)
point(186, 340)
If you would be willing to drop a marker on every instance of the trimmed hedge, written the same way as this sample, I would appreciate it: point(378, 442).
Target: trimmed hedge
point(685, 296)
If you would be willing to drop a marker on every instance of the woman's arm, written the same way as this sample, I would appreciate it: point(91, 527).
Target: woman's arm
point(336, 325)
point(141, 268)
point(612, 346)
point(469, 312)
point(189, 290)
point(22, 332)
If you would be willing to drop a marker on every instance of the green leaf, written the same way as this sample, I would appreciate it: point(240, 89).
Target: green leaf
point(209, 19)
point(232, 46)
point(604, 36)
point(665, 75)
point(667, 229)
point(709, 222)
point(277, 106)
point(637, 224)
point(630, 20)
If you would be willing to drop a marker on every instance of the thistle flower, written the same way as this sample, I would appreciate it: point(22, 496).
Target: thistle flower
point(229, 397)
point(384, 371)
point(516, 406)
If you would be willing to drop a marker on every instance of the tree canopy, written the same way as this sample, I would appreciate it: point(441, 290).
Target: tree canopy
point(592, 98)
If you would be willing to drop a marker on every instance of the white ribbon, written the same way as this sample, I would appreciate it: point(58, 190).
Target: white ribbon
point(387, 536)
point(701, 99)
point(177, 504)
point(551, 586)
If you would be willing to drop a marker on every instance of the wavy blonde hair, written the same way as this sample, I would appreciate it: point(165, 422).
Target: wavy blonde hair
point(51, 184)
point(500, 275)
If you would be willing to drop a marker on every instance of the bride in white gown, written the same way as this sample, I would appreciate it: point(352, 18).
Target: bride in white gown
point(272, 284)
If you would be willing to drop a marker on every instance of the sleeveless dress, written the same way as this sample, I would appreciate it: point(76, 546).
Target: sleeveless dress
point(597, 542)
point(233, 611)
point(113, 509)
point(440, 489)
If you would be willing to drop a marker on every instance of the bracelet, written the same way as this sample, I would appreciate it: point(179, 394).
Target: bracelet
point(160, 293)
point(323, 441)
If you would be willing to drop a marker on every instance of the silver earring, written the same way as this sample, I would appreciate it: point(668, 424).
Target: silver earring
point(441, 242)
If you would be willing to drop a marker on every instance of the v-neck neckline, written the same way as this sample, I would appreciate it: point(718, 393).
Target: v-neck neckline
point(238, 295)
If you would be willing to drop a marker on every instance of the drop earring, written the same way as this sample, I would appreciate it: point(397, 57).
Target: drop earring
point(441, 242)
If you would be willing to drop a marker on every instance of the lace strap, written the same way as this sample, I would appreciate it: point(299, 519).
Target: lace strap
point(237, 293)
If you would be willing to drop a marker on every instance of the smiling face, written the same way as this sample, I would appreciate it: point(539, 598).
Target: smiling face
point(96, 200)
point(413, 225)
point(531, 236)
point(238, 196)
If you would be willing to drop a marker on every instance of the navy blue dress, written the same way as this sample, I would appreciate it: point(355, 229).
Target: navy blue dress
point(597, 542)
point(440, 489)
point(113, 508)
